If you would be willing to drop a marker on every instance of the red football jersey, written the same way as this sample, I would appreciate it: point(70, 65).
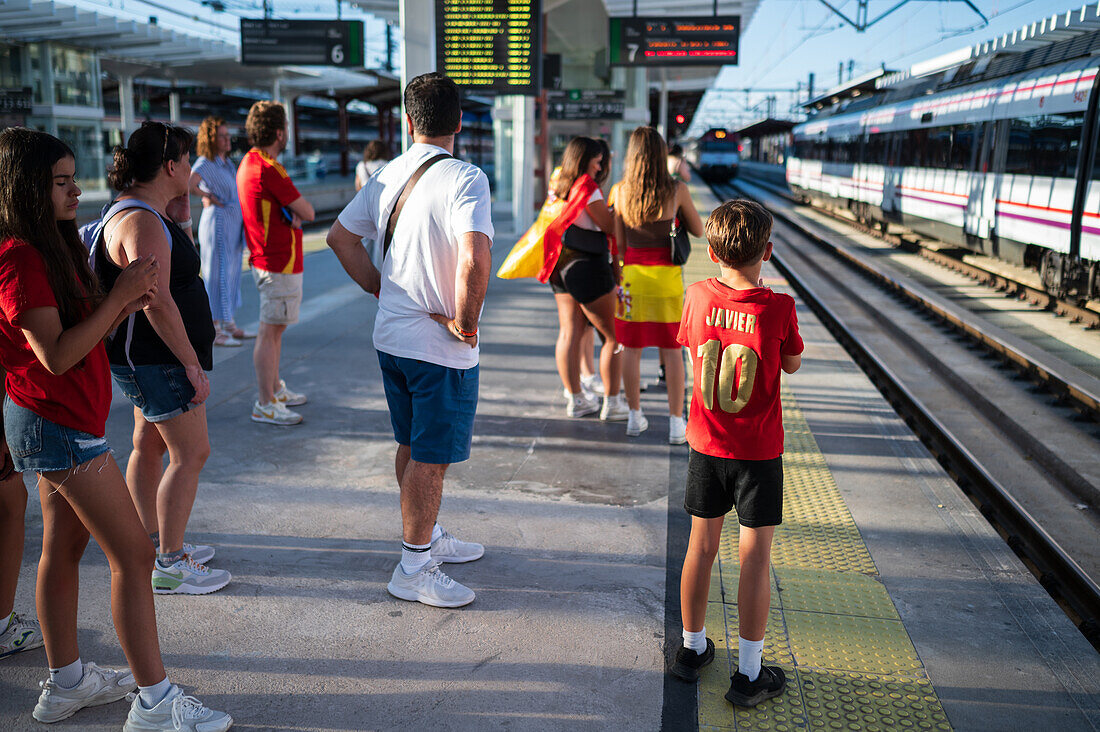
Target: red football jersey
point(736, 338)
point(264, 189)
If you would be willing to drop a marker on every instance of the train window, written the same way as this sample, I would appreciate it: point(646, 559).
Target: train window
point(1044, 144)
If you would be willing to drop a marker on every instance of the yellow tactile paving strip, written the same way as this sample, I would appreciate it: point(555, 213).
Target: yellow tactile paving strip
point(832, 628)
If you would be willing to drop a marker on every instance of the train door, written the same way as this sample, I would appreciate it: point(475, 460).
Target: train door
point(981, 204)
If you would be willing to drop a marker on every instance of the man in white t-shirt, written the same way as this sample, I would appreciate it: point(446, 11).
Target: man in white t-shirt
point(431, 288)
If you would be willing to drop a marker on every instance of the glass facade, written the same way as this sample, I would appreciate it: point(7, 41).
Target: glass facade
point(11, 67)
point(75, 80)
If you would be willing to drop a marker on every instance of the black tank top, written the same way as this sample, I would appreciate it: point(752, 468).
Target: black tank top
point(136, 343)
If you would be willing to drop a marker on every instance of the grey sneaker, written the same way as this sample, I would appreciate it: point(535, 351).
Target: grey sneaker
point(455, 551)
point(188, 577)
point(175, 712)
point(22, 635)
point(97, 686)
point(200, 552)
point(429, 586)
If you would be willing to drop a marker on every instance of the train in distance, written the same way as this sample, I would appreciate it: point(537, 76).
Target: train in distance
point(716, 154)
point(997, 154)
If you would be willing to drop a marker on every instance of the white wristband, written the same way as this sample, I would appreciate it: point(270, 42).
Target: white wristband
point(184, 224)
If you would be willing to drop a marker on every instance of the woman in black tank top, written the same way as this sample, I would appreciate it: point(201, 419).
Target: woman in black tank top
point(159, 356)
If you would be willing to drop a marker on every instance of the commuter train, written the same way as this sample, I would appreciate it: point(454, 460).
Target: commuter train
point(716, 154)
point(997, 154)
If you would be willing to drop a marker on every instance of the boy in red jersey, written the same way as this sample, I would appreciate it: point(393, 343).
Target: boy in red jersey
point(740, 334)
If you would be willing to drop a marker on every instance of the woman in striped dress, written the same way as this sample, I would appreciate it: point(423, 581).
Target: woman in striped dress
point(221, 228)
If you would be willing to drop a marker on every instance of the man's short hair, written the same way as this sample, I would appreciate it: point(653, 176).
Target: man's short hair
point(265, 119)
point(738, 232)
point(433, 104)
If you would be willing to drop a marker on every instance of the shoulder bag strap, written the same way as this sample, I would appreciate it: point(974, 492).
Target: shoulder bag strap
point(404, 196)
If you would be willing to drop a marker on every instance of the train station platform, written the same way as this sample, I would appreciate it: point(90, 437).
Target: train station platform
point(895, 606)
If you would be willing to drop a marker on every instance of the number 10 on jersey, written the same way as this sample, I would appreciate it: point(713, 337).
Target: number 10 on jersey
point(721, 364)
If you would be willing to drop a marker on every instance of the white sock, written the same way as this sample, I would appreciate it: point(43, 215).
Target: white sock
point(67, 677)
point(437, 531)
point(414, 557)
point(153, 695)
point(6, 622)
point(748, 657)
point(696, 641)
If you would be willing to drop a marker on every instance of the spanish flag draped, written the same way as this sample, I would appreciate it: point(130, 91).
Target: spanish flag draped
point(652, 299)
point(579, 194)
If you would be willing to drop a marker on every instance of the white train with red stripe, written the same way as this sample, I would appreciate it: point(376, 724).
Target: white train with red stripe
point(994, 150)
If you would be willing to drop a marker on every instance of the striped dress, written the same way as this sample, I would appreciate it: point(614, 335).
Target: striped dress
point(221, 237)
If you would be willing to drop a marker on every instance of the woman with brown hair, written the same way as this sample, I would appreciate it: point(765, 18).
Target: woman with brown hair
point(221, 228)
point(648, 202)
point(375, 155)
point(580, 271)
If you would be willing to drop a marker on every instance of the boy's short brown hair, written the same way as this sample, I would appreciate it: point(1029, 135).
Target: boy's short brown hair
point(738, 231)
point(265, 119)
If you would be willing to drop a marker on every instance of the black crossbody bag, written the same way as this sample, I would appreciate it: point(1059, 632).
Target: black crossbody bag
point(678, 241)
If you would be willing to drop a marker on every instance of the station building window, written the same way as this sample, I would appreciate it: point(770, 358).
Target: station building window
point(75, 80)
point(1044, 145)
point(11, 67)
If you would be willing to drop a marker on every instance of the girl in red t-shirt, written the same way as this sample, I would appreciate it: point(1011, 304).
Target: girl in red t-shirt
point(52, 324)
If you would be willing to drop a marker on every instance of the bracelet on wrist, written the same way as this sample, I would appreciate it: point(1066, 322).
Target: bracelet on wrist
point(184, 224)
point(463, 333)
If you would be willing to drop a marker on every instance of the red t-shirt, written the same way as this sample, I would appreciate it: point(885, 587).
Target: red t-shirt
point(264, 189)
point(736, 338)
point(80, 398)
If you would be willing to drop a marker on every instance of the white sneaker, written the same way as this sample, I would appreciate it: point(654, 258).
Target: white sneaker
point(97, 686)
point(274, 413)
point(188, 577)
point(581, 405)
point(636, 423)
point(592, 384)
point(22, 635)
point(615, 409)
point(289, 398)
point(200, 553)
point(455, 551)
point(176, 712)
point(677, 430)
point(429, 586)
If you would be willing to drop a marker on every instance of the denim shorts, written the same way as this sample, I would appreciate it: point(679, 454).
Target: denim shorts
point(38, 445)
point(431, 408)
point(161, 392)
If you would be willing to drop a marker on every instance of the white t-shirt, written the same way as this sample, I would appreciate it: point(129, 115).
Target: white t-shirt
point(364, 170)
point(584, 221)
point(418, 273)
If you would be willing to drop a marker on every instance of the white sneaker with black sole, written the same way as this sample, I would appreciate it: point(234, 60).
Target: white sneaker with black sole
point(97, 686)
point(430, 586)
point(176, 712)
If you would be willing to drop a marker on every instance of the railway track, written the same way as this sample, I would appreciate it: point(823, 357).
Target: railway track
point(1027, 460)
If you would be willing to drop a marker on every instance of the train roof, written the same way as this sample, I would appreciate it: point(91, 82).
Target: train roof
point(1050, 42)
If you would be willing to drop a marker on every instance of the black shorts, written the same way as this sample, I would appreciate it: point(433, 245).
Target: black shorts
point(586, 277)
point(717, 485)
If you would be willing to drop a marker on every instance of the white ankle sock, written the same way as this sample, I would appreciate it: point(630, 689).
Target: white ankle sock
point(67, 677)
point(153, 695)
point(748, 657)
point(414, 557)
point(437, 531)
point(696, 641)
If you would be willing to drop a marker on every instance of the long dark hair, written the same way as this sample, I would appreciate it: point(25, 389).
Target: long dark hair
point(149, 147)
point(646, 184)
point(27, 158)
point(574, 163)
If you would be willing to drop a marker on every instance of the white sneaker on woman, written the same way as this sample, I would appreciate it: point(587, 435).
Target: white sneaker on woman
point(677, 430)
point(97, 686)
point(615, 409)
point(176, 711)
point(636, 423)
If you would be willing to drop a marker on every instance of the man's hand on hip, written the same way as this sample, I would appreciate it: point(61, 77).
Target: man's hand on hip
point(455, 330)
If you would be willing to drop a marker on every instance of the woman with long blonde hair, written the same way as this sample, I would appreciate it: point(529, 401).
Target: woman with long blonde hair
point(647, 203)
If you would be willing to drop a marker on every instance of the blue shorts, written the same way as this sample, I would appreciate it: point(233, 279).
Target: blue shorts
point(38, 445)
point(431, 408)
point(160, 392)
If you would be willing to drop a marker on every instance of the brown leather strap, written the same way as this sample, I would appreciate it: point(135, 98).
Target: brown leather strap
point(404, 196)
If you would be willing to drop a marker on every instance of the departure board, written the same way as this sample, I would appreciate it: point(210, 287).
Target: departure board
point(306, 42)
point(704, 40)
point(490, 45)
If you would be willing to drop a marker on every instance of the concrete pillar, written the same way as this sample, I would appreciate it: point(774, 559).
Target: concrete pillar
point(662, 106)
point(279, 95)
point(417, 49)
point(342, 123)
point(174, 107)
point(524, 161)
point(126, 104)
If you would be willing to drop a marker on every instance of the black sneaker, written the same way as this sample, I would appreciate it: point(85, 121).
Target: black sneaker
point(768, 684)
point(688, 662)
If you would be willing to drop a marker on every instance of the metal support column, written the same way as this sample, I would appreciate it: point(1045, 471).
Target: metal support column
point(417, 48)
point(662, 106)
point(174, 107)
point(126, 105)
point(342, 117)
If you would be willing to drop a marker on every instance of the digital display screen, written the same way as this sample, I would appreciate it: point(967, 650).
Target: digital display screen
point(490, 45)
point(305, 42)
point(704, 40)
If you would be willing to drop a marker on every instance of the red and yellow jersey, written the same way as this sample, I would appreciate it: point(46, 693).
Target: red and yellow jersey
point(264, 189)
point(736, 338)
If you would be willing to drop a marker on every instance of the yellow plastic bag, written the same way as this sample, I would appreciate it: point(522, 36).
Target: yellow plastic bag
point(526, 257)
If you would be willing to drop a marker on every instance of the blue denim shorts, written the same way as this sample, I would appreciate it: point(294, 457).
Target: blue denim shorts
point(160, 392)
point(38, 445)
point(431, 408)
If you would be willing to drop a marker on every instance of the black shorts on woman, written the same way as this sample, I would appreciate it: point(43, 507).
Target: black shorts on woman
point(584, 266)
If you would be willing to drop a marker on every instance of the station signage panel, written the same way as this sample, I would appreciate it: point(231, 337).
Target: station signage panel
point(15, 105)
point(586, 104)
point(490, 46)
point(302, 42)
point(703, 40)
